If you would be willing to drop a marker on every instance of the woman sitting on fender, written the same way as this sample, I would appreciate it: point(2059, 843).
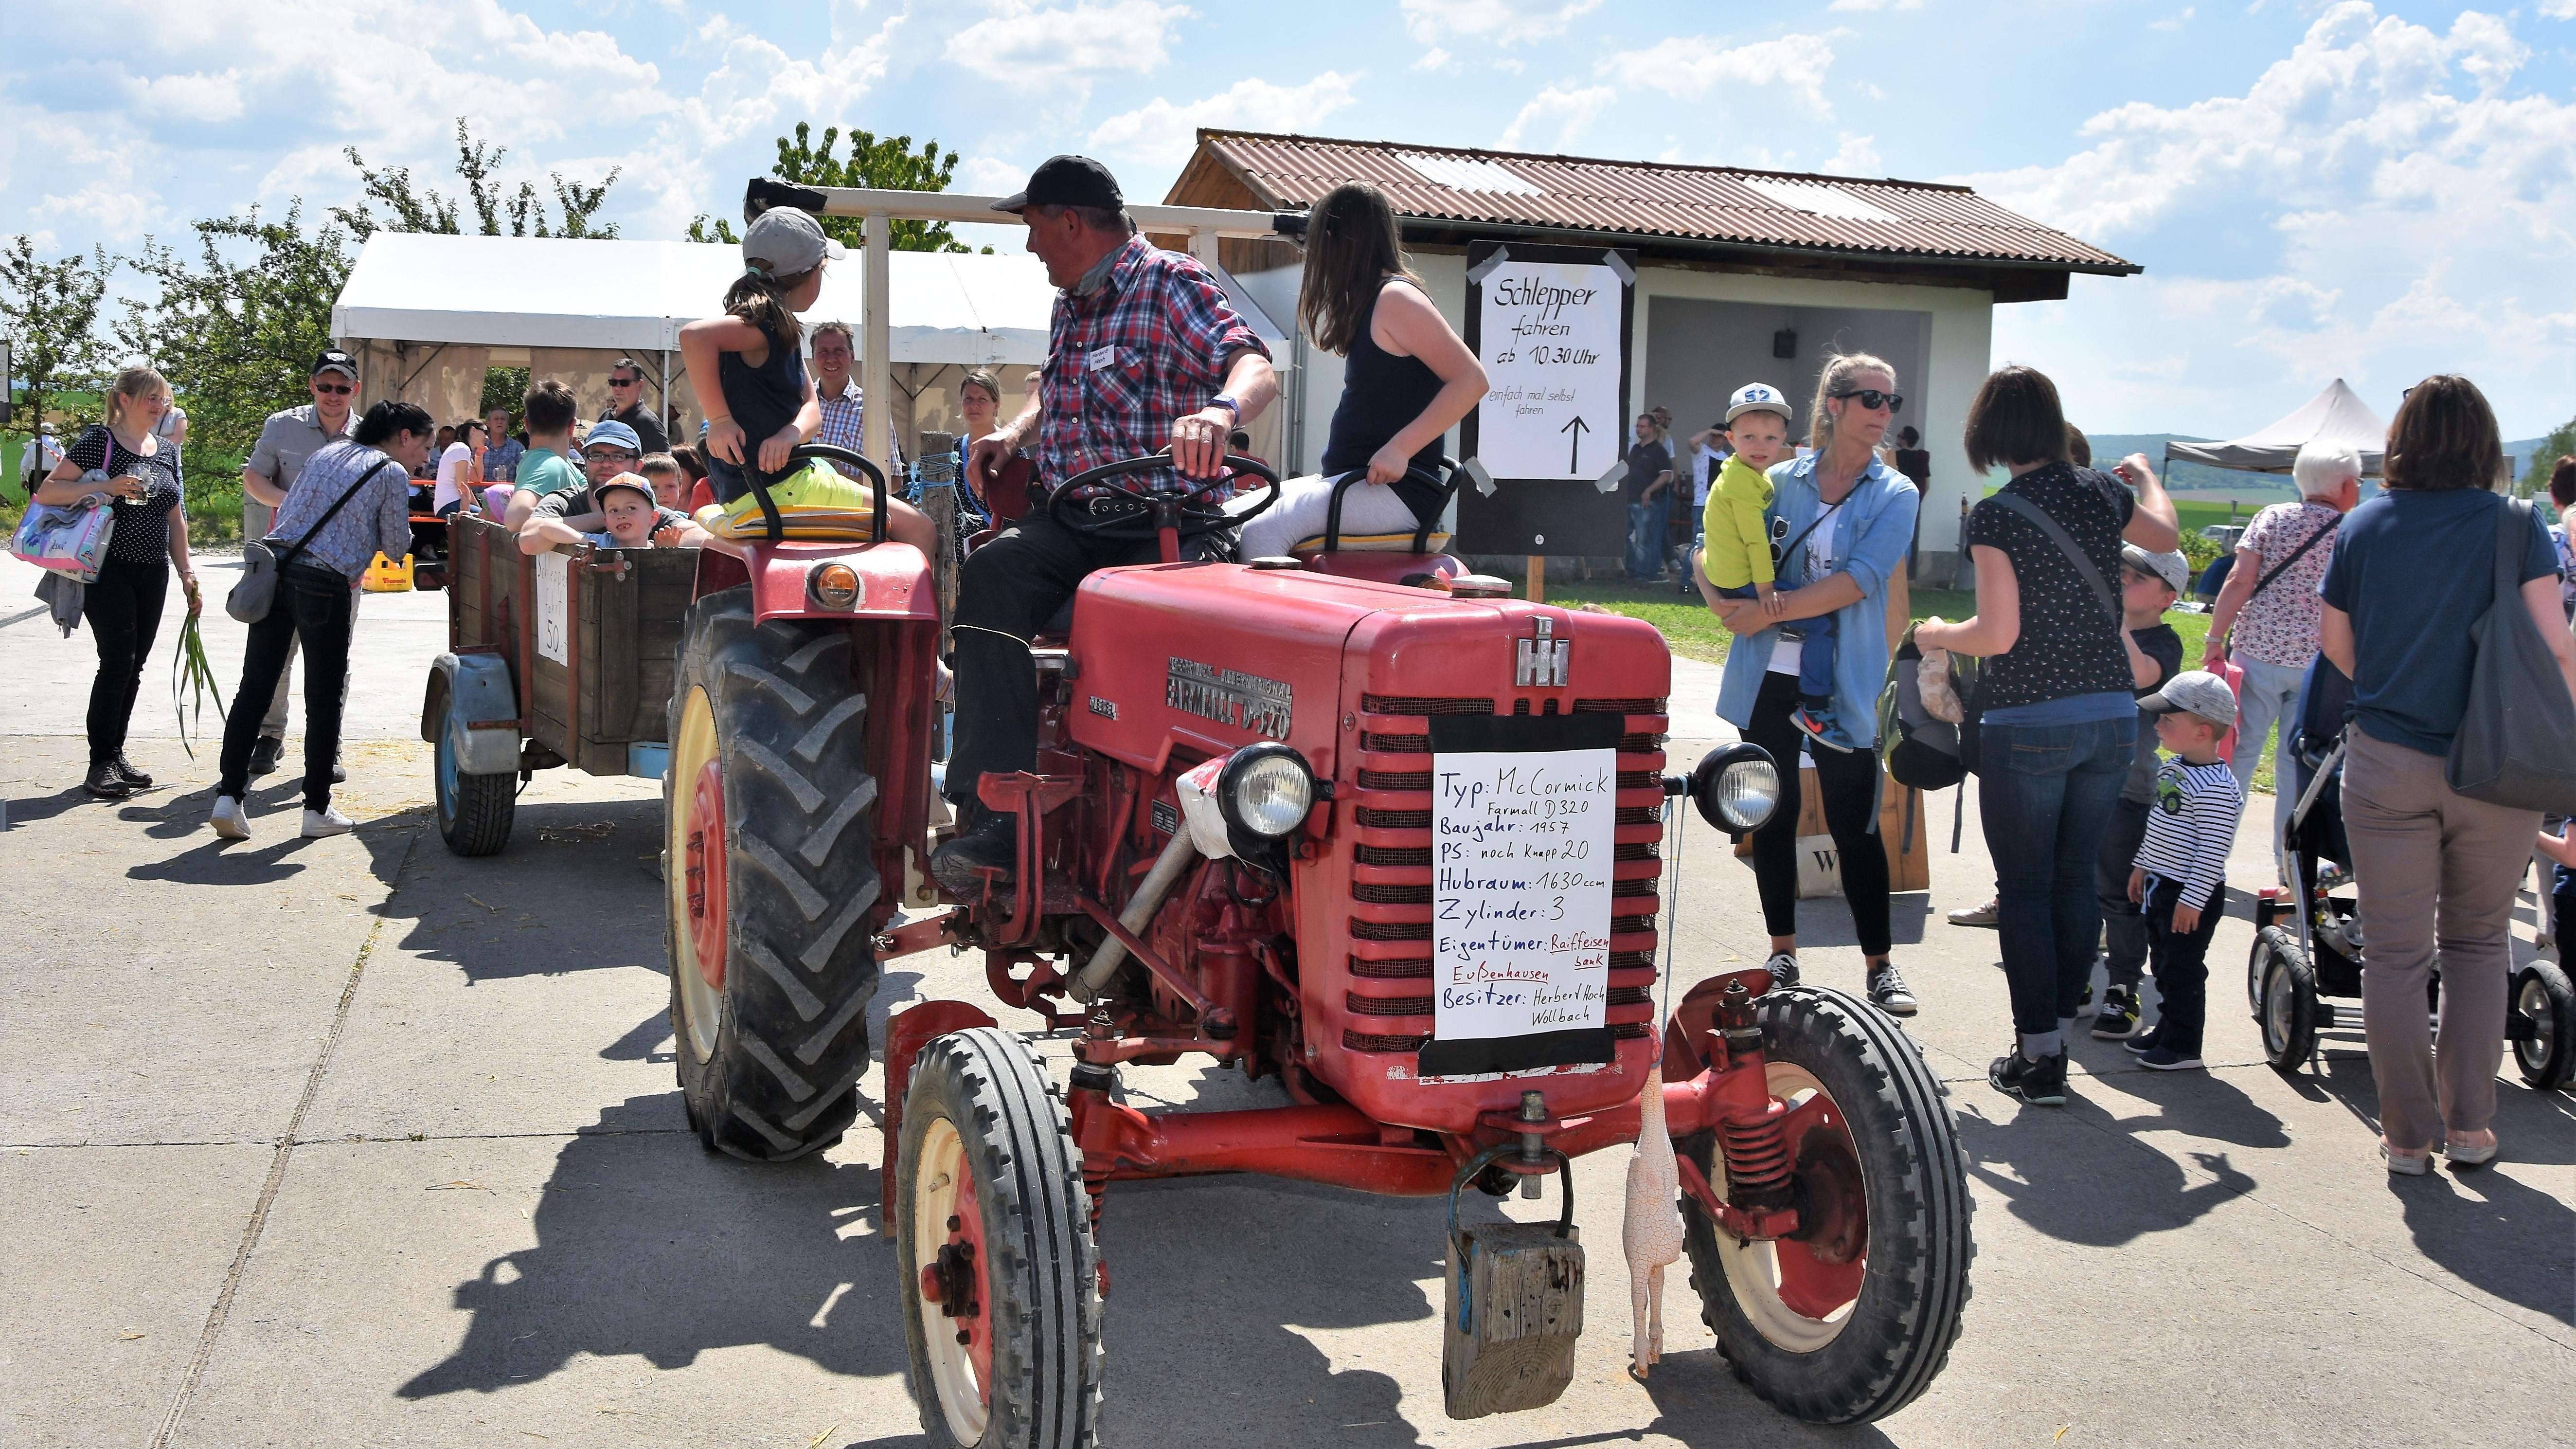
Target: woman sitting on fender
point(1410, 379)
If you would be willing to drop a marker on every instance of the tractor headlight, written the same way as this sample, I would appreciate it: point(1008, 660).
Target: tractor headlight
point(834, 586)
point(1736, 788)
point(1266, 790)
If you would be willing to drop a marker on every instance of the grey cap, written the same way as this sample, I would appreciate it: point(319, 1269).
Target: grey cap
point(786, 242)
point(2169, 566)
point(2197, 692)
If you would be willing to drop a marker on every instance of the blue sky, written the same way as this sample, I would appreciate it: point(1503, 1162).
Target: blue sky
point(2375, 191)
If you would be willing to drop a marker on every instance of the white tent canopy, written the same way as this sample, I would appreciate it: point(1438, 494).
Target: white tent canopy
point(2336, 415)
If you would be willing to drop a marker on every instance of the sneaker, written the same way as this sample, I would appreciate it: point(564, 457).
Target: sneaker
point(2118, 1019)
point(2145, 1041)
point(1887, 991)
point(2162, 1058)
point(264, 755)
point(319, 823)
point(1783, 967)
point(991, 843)
point(228, 820)
point(2405, 1164)
point(2041, 1083)
point(1813, 726)
point(133, 776)
point(105, 783)
point(1986, 915)
point(2084, 1007)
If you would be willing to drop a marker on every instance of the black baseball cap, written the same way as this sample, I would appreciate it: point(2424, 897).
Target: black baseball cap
point(334, 360)
point(1067, 181)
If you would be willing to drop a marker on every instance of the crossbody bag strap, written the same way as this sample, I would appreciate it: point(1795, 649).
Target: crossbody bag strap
point(2276, 570)
point(298, 546)
point(2066, 544)
point(1789, 550)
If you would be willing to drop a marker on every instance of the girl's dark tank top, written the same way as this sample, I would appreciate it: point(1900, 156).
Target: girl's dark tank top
point(762, 400)
point(1382, 392)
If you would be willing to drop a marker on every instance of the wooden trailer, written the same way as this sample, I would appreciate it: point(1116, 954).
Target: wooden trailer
point(558, 658)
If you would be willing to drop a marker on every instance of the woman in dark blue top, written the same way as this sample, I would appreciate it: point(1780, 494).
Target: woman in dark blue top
point(1410, 378)
point(2412, 572)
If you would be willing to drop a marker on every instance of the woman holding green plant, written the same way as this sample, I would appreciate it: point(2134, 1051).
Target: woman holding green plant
point(122, 605)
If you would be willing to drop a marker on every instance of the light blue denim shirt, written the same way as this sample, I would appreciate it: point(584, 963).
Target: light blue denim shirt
point(1869, 545)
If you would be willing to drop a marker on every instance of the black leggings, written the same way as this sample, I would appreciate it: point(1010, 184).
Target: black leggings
point(123, 607)
point(1849, 780)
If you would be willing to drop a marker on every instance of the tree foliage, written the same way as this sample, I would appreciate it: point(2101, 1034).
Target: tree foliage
point(50, 310)
point(2560, 443)
point(413, 207)
point(880, 163)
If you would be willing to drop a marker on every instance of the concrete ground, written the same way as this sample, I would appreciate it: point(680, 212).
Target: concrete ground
point(352, 1141)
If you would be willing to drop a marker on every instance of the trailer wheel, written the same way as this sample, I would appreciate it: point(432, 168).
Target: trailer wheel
point(474, 811)
point(1853, 1316)
point(768, 877)
point(1000, 1279)
point(2286, 1008)
point(2542, 996)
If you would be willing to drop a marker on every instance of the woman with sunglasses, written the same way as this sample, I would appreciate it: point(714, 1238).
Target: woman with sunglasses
point(1842, 521)
point(2060, 718)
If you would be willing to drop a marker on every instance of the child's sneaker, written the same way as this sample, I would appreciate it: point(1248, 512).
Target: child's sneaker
point(2118, 1017)
point(2162, 1058)
point(2041, 1083)
point(1813, 725)
point(2084, 1007)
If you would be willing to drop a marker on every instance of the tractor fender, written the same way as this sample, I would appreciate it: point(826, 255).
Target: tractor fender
point(894, 579)
point(481, 714)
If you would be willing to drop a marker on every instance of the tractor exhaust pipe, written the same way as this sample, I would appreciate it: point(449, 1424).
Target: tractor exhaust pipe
point(1176, 858)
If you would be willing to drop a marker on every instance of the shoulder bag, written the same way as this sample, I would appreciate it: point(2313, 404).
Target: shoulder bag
point(2516, 744)
point(1971, 729)
point(252, 597)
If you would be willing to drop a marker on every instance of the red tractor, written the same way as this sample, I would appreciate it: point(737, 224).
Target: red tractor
point(1228, 849)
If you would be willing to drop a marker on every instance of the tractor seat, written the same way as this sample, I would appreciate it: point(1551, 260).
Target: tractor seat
point(1397, 565)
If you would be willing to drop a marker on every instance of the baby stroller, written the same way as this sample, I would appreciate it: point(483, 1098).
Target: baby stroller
point(2308, 937)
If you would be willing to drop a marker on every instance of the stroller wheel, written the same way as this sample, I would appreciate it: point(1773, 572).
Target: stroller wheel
point(2544, 1039)
point(2286, 1003)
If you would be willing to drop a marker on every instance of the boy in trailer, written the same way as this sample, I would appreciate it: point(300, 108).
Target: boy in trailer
point(2180, 876)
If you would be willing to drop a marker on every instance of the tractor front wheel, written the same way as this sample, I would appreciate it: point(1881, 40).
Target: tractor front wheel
point(769, 875)
point(1000, 1277)
point(1852, 1316)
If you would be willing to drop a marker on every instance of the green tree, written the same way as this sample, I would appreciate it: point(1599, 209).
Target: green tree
point(505, 388)
point(885, 164)
point(2560, 443)
point(51, 311)
point(412, 207)
point(237, 327)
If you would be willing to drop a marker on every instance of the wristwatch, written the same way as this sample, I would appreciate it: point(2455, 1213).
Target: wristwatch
point(1227, 401)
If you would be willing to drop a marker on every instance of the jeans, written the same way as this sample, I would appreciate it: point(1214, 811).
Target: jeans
point(123, 609)
point(2270, 695)
point(2044, 794)
point(1646, 540)
point(2124, 924)
point(2182, 964)
point(316, 608)
point(1849, 781)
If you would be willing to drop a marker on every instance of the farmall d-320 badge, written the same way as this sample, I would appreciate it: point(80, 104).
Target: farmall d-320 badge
point(1230, 697)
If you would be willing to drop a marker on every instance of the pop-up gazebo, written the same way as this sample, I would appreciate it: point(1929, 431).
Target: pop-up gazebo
point(2336, 415)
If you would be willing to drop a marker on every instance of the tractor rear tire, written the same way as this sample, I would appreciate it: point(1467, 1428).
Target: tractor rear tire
point(768, 732)
point(988, 1166)
point(1873, 1354)
point(474, 811)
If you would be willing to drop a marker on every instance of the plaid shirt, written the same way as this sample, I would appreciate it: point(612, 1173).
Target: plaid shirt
point(1151, 346)
point(841, 423)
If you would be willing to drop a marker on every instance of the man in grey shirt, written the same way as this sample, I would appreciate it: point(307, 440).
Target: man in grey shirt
point(285, 442)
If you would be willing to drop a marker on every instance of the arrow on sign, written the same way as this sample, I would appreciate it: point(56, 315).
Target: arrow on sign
point(1574, 454)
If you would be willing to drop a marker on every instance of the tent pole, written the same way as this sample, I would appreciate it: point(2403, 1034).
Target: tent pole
point(876, 417)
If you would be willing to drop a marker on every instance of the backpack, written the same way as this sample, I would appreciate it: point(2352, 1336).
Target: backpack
point(1917, 750)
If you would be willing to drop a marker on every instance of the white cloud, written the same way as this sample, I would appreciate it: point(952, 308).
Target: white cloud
point(1857, 157)
point(1437, 60)
point(2179, 19)
point(2378, 205)
point(1041, 49)
point(1162, 132)
point(1497, 22)
point(1692, 67)
point(1567, 113)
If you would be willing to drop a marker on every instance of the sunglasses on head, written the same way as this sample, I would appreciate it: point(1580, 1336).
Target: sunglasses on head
point(1873, 399)
point(336, 389)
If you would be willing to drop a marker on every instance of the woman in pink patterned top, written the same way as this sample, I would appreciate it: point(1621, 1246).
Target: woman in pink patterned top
point(2268, 615)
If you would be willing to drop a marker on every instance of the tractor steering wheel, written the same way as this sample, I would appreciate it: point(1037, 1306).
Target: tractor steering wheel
point(1137, 511)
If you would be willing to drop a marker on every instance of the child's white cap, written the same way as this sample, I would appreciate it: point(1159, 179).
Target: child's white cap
point(2195, 692)
point(1758, 397)
point(786, 242)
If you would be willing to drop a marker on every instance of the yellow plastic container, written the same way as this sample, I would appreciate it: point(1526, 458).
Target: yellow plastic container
point(384, 576)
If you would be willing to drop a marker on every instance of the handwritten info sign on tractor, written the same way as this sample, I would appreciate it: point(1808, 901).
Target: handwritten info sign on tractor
point(1523, 818)
point(1552, 327)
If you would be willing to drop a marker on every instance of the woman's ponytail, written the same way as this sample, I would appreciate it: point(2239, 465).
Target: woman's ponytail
point(761, 300)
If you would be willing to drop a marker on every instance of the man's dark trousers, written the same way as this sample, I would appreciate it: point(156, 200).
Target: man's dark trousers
point(1007, 592)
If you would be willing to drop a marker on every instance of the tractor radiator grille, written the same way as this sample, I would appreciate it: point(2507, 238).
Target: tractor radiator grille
point(1389, 906)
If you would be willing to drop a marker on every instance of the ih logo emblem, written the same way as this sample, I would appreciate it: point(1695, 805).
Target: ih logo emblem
point(1541, 662)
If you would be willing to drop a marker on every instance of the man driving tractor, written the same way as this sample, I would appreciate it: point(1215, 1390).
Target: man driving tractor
point(1142, 350)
